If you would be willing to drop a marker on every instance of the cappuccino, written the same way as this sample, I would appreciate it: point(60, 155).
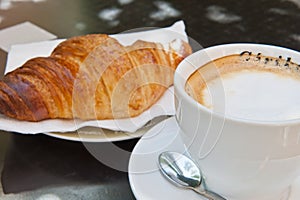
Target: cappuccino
point(248, 86)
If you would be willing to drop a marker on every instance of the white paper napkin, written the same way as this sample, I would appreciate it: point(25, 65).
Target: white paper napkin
point(23, 33)
point(165, 106)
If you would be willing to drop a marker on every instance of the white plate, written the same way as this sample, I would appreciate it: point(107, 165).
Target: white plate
point(96, 134)
point(145, 179)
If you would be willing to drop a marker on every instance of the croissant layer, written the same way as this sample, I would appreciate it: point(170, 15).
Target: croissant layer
point(91, 77)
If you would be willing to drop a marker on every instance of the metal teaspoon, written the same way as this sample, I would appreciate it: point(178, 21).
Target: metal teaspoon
point(183, 172)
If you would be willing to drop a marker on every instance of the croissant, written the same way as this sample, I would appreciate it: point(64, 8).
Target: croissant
point(91, 77)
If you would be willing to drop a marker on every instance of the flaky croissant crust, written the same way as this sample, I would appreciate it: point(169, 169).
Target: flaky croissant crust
point(91, 77)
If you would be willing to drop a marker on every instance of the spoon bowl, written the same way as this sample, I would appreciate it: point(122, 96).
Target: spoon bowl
point(183, 172)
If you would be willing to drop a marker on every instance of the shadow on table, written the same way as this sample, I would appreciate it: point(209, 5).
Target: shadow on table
point(36, 161)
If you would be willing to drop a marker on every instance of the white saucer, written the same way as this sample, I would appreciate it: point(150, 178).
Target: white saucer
point(145, 179)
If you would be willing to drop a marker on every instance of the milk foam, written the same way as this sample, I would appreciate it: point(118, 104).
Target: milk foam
point(254, 94)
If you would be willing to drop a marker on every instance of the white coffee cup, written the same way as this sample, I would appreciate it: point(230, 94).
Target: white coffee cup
point(240, 159)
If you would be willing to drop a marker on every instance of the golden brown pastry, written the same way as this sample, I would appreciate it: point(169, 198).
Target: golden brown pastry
point(91, 77)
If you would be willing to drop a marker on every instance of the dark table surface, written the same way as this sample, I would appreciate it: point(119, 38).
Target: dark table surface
point(39, 166)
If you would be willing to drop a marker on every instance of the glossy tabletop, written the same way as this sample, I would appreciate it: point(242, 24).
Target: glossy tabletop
point(43, 167)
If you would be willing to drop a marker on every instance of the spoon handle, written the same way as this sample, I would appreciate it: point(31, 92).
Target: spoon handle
point(209, 194)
